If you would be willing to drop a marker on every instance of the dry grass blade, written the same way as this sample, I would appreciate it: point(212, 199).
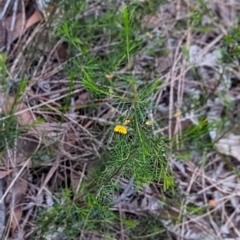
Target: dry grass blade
point(77, 178)
point(2, 210)
point(50, 133)
point(49, 176)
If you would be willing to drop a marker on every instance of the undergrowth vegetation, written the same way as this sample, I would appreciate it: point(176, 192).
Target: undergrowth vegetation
point(103, 46)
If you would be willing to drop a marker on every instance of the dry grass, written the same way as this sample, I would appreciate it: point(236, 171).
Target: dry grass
point(70, 79)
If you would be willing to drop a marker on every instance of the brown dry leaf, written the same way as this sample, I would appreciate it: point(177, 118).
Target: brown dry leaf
point(18, 194)
point(18, 29)
point(21, 25)
point(16, 217)
point(35, 18)
point(163, 63)
point(61, 53)
point(82, 98)
point(25, 118)
point(3, 174)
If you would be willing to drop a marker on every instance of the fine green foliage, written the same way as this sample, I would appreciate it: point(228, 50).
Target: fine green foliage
point(139, 155)
point(231, 46)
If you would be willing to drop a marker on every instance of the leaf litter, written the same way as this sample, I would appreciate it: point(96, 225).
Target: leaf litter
point(212, 186)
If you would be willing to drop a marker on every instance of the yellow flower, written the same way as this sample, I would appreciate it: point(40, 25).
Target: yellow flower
point(149, 123)
point(126, 122)
point(120, 129)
